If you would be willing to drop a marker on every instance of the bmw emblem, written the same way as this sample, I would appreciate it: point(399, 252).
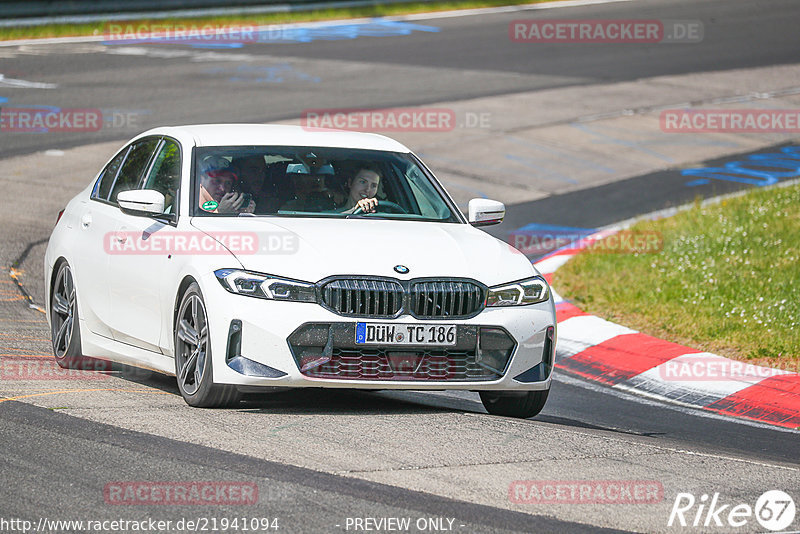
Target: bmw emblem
point(402, 269)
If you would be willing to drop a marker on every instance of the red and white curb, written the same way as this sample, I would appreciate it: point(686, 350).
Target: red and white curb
point(622, 358)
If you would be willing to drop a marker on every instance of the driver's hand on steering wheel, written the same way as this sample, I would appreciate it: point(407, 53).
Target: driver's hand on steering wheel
point(367, 205)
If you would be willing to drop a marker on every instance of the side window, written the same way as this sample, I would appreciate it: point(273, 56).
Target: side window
point(109, 174)
point(165, 174)
point(134, 167)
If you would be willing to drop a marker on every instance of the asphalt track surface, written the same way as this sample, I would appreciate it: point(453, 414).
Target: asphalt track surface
point(49, 457)
point(469, 57)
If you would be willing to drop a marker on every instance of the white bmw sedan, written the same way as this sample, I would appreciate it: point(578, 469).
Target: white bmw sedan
point(247, 257)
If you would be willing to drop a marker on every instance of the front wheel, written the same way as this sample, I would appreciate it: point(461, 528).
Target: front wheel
point(521, 405)
point(193, 366)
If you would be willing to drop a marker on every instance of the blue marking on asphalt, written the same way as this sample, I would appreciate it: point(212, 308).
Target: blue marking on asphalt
point(217, 45)
point(562, 155)
point(339, 32)
point(553, 229)
point(48, 109)
point(756, 169)
point(624, 142)
point(538, 165)
point(539, 239)
point(282, 72)
point(294, 34)
point(473, 165)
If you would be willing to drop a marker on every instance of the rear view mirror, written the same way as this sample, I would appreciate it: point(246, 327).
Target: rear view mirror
point(485, 212)
point(141, 202)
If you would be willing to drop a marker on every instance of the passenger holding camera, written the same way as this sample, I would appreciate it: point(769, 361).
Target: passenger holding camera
point(217, 194)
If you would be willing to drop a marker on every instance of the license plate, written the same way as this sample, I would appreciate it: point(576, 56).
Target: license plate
point(405, 334)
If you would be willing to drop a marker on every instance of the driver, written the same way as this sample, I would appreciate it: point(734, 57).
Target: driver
point(362, 188)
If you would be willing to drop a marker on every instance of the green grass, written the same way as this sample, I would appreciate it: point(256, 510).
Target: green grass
point(727, 280)
point(98, 28)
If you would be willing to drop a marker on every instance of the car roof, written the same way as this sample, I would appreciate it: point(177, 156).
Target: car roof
point(278, 135)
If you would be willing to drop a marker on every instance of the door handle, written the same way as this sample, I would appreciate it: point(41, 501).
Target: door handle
point(86, 220)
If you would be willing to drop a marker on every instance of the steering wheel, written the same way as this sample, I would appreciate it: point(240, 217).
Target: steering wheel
point(387, 204)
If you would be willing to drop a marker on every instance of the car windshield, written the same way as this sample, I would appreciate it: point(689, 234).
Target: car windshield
point(316, 182)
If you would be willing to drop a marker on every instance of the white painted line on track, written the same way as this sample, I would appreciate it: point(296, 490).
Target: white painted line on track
point(577, 334)
point(551, 264)
point(14, 83)
point(503, 9)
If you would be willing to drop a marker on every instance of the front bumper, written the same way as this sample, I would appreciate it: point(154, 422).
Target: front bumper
point(265, 328)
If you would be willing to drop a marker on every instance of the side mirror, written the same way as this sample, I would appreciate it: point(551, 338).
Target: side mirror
point(141, 202)
point(485, 212)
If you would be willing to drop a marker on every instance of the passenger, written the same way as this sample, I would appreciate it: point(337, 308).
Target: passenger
point(252, 171)
point(217, 196)
point(361, 190)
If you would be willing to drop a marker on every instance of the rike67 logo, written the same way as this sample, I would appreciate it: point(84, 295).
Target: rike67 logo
point(774, 510)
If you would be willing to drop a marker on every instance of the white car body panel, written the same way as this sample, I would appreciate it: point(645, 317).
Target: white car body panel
point(360, 246)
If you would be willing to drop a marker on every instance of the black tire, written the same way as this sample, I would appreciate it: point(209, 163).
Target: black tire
point(65, 330)
point(521, 405)
point(193, 366)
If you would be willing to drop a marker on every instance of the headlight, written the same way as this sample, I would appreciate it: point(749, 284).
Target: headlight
point(266, 286)
point(520, 293)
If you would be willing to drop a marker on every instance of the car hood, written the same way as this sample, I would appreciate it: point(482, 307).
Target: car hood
point(314, 248)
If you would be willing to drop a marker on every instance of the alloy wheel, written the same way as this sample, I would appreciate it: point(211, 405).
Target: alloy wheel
point(192, 346)
point(63, 312)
